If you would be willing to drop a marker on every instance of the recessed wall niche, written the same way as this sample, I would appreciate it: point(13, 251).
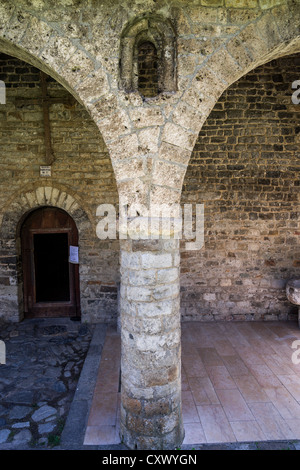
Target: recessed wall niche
point(148, 57)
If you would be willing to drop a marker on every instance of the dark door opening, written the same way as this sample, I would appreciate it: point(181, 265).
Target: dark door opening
point(51, 282)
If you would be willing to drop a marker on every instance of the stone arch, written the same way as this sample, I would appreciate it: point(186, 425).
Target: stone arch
point(35, 41)
point(13, 214)
point(32, 40)
point(25, 35)
point(29, 38)
point(243, 171)
point(96, 303)
point(21, 205)
point(274, 34)
point(161, 34)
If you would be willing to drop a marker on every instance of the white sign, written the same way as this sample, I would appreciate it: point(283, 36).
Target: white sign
point(2, 93)
point(73, 258)
point(45, 171)
point(2, 352)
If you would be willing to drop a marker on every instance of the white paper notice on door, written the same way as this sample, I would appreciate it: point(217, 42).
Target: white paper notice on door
point(73, 257)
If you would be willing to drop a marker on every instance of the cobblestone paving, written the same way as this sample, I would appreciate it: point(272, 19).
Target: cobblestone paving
point(44, 359)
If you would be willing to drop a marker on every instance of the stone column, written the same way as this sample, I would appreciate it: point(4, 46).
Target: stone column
point(151, 415)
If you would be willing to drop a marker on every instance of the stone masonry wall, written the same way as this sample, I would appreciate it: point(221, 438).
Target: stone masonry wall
point(82, 169)
point(245, 169)
point(208, 44)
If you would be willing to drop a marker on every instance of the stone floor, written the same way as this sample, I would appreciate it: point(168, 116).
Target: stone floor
point(44, 359)
point(239, 385)
point(60, 386)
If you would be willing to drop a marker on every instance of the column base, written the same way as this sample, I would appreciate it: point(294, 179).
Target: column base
point(170, 441)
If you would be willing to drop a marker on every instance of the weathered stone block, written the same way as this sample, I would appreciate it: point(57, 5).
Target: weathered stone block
point(153, 309)
point(151, 260)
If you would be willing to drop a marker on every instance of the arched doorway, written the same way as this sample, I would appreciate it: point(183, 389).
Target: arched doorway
point(51, 281)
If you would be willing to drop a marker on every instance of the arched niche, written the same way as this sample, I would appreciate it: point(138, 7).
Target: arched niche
point(158, 32)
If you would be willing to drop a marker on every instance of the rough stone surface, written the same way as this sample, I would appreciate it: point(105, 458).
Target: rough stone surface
point(4, 433)
point(152, 343)
point(31, 406)
point(203, 47)
point(22, 437)
point(43, 413)
point(19, 412)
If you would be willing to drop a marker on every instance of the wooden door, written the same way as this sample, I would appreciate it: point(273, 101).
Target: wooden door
point(51, 282)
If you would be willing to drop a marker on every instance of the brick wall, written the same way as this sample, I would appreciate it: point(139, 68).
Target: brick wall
point(148, 70)
point(82, 168)
point(245, 169)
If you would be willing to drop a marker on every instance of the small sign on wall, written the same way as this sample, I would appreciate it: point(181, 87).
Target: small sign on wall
point(45, 171)
point(73, 256)
point(2, 93)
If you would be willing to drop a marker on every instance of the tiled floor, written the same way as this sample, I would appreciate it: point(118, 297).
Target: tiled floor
point(239, 383)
